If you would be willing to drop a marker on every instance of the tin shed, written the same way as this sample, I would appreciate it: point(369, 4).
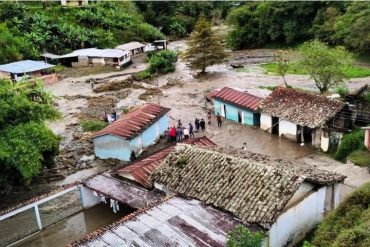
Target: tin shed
point(237, 106)
point(132, 132)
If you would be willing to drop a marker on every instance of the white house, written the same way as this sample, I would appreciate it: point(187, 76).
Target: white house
point(305, 117)
point(133, 47)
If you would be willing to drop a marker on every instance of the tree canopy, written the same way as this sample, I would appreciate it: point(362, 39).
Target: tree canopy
point(204, 47)
point(26, 144)
point(325, 65)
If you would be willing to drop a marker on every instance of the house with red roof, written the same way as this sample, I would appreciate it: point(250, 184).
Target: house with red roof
point(134, 131)
point(237, 106)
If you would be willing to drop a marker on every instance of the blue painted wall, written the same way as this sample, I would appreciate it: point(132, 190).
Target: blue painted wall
point(250, 118)
point(109, 146)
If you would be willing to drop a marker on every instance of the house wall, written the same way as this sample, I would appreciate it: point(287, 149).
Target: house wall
point(88, 198)
point(4, 75)
point(232, 113)
point(265, 122)
point(97, 61)
point(163, 124)
point(108, 146)
point(82, 62)
point(288, 130)
point(136, 145)
point(298, 220)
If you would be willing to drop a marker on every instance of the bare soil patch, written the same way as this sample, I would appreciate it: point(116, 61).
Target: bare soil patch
point(150, 92)
point(84, 71)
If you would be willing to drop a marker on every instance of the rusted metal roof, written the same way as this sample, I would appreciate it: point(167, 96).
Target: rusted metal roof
point(124, 192)
point(305, 109)
point(238, 98)
point(141, 170)
point(133, 123)
point(175, 222)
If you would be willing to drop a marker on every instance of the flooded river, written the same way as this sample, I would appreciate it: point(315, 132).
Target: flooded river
point(74, 227)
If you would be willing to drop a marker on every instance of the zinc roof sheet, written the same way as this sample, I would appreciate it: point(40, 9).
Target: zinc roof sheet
point(175, 222)
point(242, 99)
point(130, 46)
point(133, 123)
point(25, 66)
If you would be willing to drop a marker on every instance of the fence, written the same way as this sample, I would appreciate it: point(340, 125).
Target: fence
point(38, 213)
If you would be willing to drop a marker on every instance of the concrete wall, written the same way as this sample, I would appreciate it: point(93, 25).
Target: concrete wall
point(163, 124)
point(4, 75)
point(136, 145)
point(97, 61)
point(108, 146)
point(367, 139)
point(265, 122)
point(150, 135)
point(303, 190)
point(88, 198)
point(232, 113)
point(298, 220)
point(288, 130)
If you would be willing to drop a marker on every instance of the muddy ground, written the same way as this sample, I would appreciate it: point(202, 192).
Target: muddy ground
point(183, 92)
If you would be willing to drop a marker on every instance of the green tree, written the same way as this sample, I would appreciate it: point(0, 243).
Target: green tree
point(26, 144)
point(325, 65)
point(282, 62)
point(162, 62)
point(243, 237)
point(204, 48)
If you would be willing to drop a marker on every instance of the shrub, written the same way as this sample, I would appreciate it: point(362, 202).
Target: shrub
point(342, 90)
point(349, 224)
point(360, 157)
point(243, 237)
point(350, 142)
point(162, 62)
point(58, 68)
point(93, 125)
point(142, 75)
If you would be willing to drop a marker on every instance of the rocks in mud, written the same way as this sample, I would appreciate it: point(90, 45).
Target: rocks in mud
point(240, 59)
point(150, 92)
point(116, 85)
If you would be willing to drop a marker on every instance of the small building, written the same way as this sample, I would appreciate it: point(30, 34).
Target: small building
point(367, 137)
point(28, 69)
point(306, 117)
point(134, 131)
point(286, 200)
point(237, 106)
point(160, 44)
point(91, 57)
point(74, 3)
point(134, 48)
point(358, 98)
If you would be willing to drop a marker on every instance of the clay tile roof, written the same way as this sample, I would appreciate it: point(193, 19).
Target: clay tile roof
point(174, 222)
point(309, 173)
point(141, 170)
point(133, 123)
point(238, 98)
point(253, 192)
point(301, 108)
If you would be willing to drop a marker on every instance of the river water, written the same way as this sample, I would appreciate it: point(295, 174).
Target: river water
point(74, 227)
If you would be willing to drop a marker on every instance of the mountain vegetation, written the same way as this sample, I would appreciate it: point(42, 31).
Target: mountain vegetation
point(280, 24)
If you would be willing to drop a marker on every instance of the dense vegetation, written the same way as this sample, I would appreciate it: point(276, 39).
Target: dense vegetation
point(290, 23)
point(26, 144)
point(348, 225)
point(177, 19)
point(93, 125)
point(352, 147)
point(29, 30)
point(243, 237)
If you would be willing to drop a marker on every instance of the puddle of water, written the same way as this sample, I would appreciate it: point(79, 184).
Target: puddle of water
point(74, 227)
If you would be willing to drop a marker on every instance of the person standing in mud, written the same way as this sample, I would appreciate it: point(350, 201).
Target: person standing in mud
point(219, 120)
point(191, 130)
point(114, 115)
point(105, 117)
point(202, 124)
point(167, 134)
point(173, 134)
point(179, 133)
point(209, 116)
point(132, 156)
point(186, 133)
point(179, 124)
point(197, 124)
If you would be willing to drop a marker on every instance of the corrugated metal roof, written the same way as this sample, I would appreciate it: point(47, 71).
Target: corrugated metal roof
point(175, 222)
point(134, 122)
point(305, 109)
point(25, 66)
point(141, 170)
point(238, 98)
point(128, 194)
point(90, 52)
point(130, 46)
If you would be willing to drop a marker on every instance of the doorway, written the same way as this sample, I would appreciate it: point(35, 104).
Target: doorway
point(304, 134)
point(240, 117)
point(223, 110)
point(275, 125)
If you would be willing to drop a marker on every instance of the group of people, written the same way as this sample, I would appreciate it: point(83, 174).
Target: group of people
point(108, 118)
point(179, 133)
point(218, 117)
